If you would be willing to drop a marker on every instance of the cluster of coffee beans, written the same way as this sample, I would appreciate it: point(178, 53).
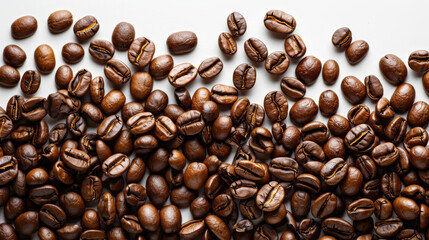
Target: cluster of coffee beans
point(67, 182)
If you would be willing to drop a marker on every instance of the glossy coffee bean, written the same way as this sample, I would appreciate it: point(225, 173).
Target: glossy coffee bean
point(292, 87)
point(277, 63)
point(334, 171)
point(303, 111)
point(279, 21)
point(224, 94)
point(295, 46)
point(24, 27)
point(122, 36)
point(52, 216)
point(218, 227)
point(328, 103)
point(403, 98)
point(59, 21)
point(418, 61)
point(337, 227)
point(255, 50)
point(117, 72)
point(324, 205)
point(14, 55)
point(342, 37)
point(101, 50)
point(161, 66)
point(270, 196)
point(353, 90)
point(418, 115)
point(30, 82)
point(27, 223)
point(227, 44)
point(236, 24)
point(388, 228)
point(308, 70)
point(182, 74)
point(210, 67)
point(141, 51)
point(300, 204)
point(182, 42)
point(244, 76)
point(373, 87)
point(360, 209)
point(44, 58)
point(330, 71)
point(276, 106)
point(9, 76)
point(357, 51)
point(86, 28)
point(72, 53)
point(393, 69)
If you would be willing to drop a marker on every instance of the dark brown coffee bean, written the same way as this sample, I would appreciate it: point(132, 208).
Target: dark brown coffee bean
point(415, 136)
point(190, 123)
point(328, 103)
point(24, 27)
point(224, 94)
point(406, 208)
point(227, 44)
point(76, 124)
point(79, 85)
point(91, 188)
point(315, 131)
point(192, 229)
point(338, 228)
point(59, 21)
point(7, 232)
point(106, 209)
point(14, 55)
point(277, 63)
point(279, 22)
point(403, 98)
point(123, 35)
point(45, 58)
point(182, 74)
point(395, 130)
point(72, 53)
point(276, 106)
point(135, 194)
point(149, 217)
point(116, 165)
point(391, 185)
point(93, 234)
point(30, 82)
point(308, 70)
point(236, 24)
point(141, 51)
point(360, 209)
point(110, 127)
point(76, 159)
point(324, 205)
point(393, 69)
point(244, 76)
point(358, 114)
point(63, 76)
point(182, 42)
point(309, 151)
point(373, 87)
point(295, 46)
point(334, 171)
point(218, 227)
point(101, 50)
point(9, 76)
point(210, 68)
point(131, 224)
point(145, 144)
point(44, 194)
point(86, 28)
point(52, 215)
point(249, 170)
point(353, 90)
point(292, 88)
point(357, 51)
point(303, 111)
point(36, 176)
point(113, 102)
point(284, 168)
point(270, 196)
point(243, 189)
point(418, 61)
point(261, 140)
point(342, 38)
point(382, 208)
point(33, 109)
point(27, 223)
point(117, 72)
point(388, 228)
point(255, 49)
point(195, 175)
point(161, 66)
point(330, 71)
point(360, 138)
point(418, 115)
point(13, 109)
point(9, 169)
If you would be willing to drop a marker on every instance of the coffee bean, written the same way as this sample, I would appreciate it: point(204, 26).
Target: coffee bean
point(418, 115)
point(279, 21)
point(117, 72)
point(415, 136)
point(334, 171)
point(93, 234)
point(324, 205)
point(141, 51)
point(7, 231)
point(403, 98)
point(395, 130)
point(182, 74)
point(388, 227)
point(227, 44)
point(13, 109)
point(218, 227)
point(9, 167)
point(236, 24)
point(406, 208)
point(9, 76)
point(161, 66)
point(110, 127)
point(59, 21)
point(14, 55)
point(63, 76)
point(330, 71)
point(360, 209)
point(27, 223)
point(24, 27)
point(276, 106)
point(357, 51)
point(106, 209)
point(277, 63)
point(210, 68)
point(43, 194)
point(224, 94)
point(391, 185)
point(101, 50)
point(192, 229)
point(373, 87)
point(284, 168)
point(122, 36)
point(328, 103)
point(308, 70)
point(360, 138)
point(303, 111)
point(418, 61)
point(270, 196)
point(342, 38)
point(30, 82)
point(393, 69)
point(358, 114)
point(337, 227)
point(261, 140)
point(52, 215)
point(72, 53)
point(45, 58)
point(255, 49)
point(182, 42)
point(79, 85)
point(292, 87)
point(295, 46)
point(86, 28)
point(425, 81)
point(353, 90)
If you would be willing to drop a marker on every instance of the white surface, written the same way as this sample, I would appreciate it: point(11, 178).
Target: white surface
point(396, 27)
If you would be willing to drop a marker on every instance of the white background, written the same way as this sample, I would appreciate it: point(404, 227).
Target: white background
point(396, 27)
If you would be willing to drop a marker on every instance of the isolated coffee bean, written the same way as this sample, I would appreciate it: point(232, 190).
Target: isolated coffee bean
point(418, 61)
point(276, 106)
point(270, 196)
point(117, 72)
point(101, 50)
point(255, 49)
point(236, 24)
point(357, 51)
point(353, 90)
point(30, 82)
point(342, 38)
point(182, 42)
point(182, 74)
point(122, 36)
point(330, 71)
point(227, 44)
point(72, 53)
point(308, 70)
point(59, 21)
point(393, 69)
point(210, 67)
point(44, 58)
point(24, 27)
point(292, 87)
point(295, 46)
point(140, 51)
point(279, 21)
point(324, 205)
point(373, 87)
point(14, 55)
point(86, 28)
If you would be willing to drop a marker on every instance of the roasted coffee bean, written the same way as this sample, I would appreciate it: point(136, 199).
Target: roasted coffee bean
point(182, 74)
point(110, 127)
point(352, 183)
point(140, 52)
point(393, 69)
point(44, 194)
point(395, 130)
point(30, 82)
point(385, 154)
point(308, 70)
point(210, 112)
point(270, 196)
point(86, 28)
point(406, 208)
point(373, 87)
point(106, 209)
point(338, 228)
point(14, 55)
point(284, 168)
point(27, 223)
point(227, 43)
point(236, 24)
point(403, 98)
point(130, 109)
point(357, 51)
point(244, 76)
point(59, 21)
point(300, 204)
point(93, 234)
point(33, 109)
point(388, 228)
point(116, 165)
point(358, 114)
point(265, 231)
point(417, 155)
point(192, 229)
point(415, 136)
point(44, 58)
point(261, 140)
point(279, 22)
point(360, 139)
point(330, 71)
point(255, 50)
point(36, 176)
point(243, 189)
point(382, 208)
point(210, 67)
point(418, 115)
point(72, 53)
point(76, 159)
point(308, 229)
point(8, 169)
point(383, 109)
point(52, 215)
point(418, 61)
point(76, 124)
point(328, 103)
point(360, 209)
point(324, 205)
point(410, 234)
point(190, 123)
point(249, 170)
point(91, 188)
point(391, 185)
point(101, 50)
point(79, 85)
point(165, 129)
point(353, 90)
point(277, 130)
point(113, 102)
point(277, 63)
point(315, 131)
point(276, 106)
point(224, 94)
point(182, 42)
point(62, 98)
point(195, 175)
point(117, 72)
point(295, 46)
point(145, 144)
point(7, 232)
point(367, 167)
point(309, 151)
point(9, 76)
point(156, 102)
point(223, 205)
point(24, 27)
point(182, 196)
point(135, 194)
point(342, 38)
point(123, 35)
point(161, 66)
point(131, 224)
point(13, 109)
point(303, 111)
point(334, 171)
point(293, 88)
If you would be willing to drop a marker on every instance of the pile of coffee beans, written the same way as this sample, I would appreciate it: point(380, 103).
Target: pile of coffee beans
point(362, 176)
